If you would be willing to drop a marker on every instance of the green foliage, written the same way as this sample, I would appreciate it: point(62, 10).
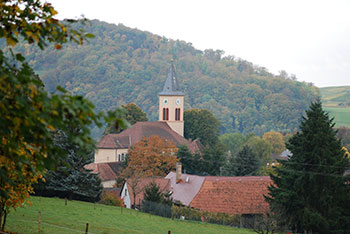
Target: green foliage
point(213, 158)
point(111, 199)
point(202, 125)
point(310, 190)
point(123, 65)
point(71, 179)
point(262, 148)
point(245, 163)
point(341, 115)
point(152, 193)
point(191, 163)
point(130, 112)
point(233, 141)
point(199, 215)
point(60, 219)
point(276, 140)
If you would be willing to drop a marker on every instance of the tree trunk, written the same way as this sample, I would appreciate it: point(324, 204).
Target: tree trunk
point(4, 220)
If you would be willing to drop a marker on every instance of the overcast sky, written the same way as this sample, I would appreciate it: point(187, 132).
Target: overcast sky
point(308, 38)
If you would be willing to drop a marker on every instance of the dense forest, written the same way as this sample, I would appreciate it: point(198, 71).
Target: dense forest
point(123, 65)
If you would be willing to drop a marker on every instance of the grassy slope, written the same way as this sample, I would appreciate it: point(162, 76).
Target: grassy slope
point(58, 218)
point(331, 97)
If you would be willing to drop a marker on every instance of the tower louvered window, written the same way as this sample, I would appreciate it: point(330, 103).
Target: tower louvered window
point(165, 113)
point(177, 114)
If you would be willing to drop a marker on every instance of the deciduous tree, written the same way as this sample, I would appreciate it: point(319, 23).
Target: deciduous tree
point(153, 156)
point(202, 125)
point(276, 140)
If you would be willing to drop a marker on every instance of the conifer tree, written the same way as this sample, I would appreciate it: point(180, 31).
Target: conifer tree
point(71, 179)
point(310, 191)
point(245, 163)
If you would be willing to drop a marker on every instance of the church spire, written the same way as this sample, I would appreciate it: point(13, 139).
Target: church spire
point(171, 85)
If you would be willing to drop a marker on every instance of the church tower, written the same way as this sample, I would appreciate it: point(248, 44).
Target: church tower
point(171, 103)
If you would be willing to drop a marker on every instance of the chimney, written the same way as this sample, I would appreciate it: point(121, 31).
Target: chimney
point(178, 172)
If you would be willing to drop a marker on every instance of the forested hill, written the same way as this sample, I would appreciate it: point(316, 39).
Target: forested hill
point(122, 65)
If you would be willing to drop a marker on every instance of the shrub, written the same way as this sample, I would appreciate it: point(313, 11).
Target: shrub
point(111, 199)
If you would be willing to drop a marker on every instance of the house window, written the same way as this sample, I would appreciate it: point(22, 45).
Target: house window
point(165, 113)
point(123, 157)
point(177, 114)
point(118, 157)
point(126, 193)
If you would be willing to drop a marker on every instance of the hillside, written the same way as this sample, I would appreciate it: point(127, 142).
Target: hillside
point(122, 65)
point(335, 96)
point(58, 218)
point(336, 100)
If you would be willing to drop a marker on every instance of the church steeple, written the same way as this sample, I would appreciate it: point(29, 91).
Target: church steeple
point(171, 102)
point(171, 85)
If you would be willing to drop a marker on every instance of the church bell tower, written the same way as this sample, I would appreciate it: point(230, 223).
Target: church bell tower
point(171, 102)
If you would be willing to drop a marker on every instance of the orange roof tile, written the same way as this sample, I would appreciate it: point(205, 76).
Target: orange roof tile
point(233, 195)
point(105, 171)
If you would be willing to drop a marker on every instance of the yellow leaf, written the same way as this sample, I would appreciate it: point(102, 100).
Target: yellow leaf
point(10, 41)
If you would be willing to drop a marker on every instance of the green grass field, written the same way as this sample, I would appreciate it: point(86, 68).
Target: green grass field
point(58, 218)
point(341, 115)
point(333, 96)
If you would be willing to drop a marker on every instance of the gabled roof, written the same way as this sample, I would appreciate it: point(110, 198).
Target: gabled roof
point(134, 134)
point(171, 85)
point(187, 189)
point(164, 185)
point(105, 171)
point(233, 195)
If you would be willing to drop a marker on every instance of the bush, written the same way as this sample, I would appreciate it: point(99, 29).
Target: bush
point(111, 199)
point(205, 216)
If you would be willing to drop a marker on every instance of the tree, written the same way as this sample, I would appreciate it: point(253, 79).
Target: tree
point(202, 125)
point(276, 140)
point(28, 114)
point(153, 156)
point(233, 141)
point(152, 193)
point(261, 148)
point(245, 163)
point(131, 113)
point(71, 179)
point(191, 163)
point(310, 190)
point(213, 158)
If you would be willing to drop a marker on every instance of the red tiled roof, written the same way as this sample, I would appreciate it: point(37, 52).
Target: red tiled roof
point(164, 185)
point(105, 171)
point(233, 195)
point(134, 134)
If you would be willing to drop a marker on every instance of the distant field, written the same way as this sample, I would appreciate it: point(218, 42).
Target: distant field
point(341, 115)
point(335, 96)
point(58, 218)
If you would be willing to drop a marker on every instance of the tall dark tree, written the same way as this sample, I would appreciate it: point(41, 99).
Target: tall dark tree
point(191, 163)
point(71, 179)
point(131, 112)
point(213, 158)
point(202, 125)
point(310, 190)
point(245, 163)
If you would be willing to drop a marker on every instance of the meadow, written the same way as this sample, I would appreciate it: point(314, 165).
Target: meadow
point(56, 217)
point(341, 115)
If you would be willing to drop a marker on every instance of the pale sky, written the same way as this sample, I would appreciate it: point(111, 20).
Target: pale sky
point(308, 38)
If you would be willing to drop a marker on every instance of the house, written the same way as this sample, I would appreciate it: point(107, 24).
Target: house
point(242, 195)
point(112, 148)
point(139, 185)
point(224, 194)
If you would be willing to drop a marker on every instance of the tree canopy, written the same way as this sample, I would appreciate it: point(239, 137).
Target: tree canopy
point(310, 191)
point(202, 125)
point(130, 112)
point(153, 156)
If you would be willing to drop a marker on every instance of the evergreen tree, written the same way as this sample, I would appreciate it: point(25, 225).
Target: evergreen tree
point(310, 190)
point(191, 163)
point(71, 179)
point(213, 159)
point(246, 163)
point(152, 193)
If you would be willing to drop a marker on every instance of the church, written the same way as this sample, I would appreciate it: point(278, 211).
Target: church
point(112, 148)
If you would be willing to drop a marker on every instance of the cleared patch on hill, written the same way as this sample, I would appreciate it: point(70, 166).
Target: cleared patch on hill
point(58, 218)
point(336, 96)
